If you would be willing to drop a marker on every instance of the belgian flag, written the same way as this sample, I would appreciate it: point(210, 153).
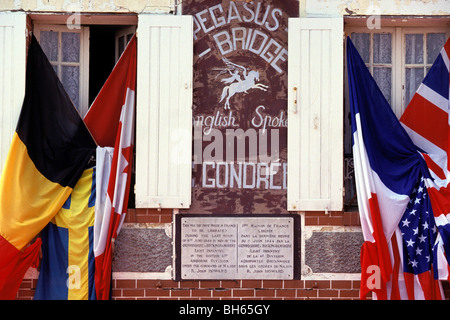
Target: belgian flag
point(50, 149)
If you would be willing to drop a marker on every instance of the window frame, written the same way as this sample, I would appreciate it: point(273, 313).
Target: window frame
point(126, 32)
point(425, 65)
point(370, 65)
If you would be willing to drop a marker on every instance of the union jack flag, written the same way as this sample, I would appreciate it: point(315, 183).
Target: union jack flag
point(426, 121)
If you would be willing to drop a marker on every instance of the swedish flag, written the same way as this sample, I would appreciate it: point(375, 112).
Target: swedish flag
point(67, 267)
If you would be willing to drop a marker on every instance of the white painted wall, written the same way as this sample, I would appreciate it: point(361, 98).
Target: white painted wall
point(131, 6)
point(310, 8)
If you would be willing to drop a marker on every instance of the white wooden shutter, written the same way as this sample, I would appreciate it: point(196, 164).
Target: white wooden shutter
point(164, 111)
point(315, 114)
point(12, 76)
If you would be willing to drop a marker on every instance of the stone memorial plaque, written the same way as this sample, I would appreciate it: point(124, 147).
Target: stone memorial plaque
point(236, 247)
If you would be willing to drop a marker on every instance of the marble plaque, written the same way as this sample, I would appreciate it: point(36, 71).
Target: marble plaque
point(236, 247)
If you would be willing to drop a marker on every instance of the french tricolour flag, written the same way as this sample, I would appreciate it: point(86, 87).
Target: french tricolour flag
point(111, 122)
point(426, 120)
point(388, 168)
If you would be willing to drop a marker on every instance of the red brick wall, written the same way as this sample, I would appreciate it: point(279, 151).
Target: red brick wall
point(222, 290)
point(235, 289)
point(332, 218)
point(139, 289)
point(227, 290)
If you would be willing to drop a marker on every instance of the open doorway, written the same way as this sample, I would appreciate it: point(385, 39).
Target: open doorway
point(106, 44)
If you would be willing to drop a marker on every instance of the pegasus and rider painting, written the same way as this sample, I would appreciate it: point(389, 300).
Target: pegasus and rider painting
point(240, 80)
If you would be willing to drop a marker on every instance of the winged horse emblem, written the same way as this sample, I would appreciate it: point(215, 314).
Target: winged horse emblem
point(240, 80)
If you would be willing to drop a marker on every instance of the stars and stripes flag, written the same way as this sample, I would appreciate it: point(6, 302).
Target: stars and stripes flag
point(397, 206)
point(413, 250)
point(111, 122)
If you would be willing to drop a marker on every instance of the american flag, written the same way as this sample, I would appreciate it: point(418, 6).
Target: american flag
point(418, 232)
point(418, 236)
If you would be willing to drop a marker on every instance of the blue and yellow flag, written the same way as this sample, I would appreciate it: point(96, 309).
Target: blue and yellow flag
point(67, 267)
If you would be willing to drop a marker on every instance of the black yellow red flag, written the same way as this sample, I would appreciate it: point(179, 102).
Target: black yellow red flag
point(50, 149)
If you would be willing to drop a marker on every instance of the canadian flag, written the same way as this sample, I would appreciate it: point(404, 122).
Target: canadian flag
point(111, 122)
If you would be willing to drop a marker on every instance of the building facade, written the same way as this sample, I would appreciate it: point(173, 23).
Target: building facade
point(214, 95)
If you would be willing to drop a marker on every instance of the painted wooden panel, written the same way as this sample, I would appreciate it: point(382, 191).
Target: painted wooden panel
point(12, 76)
point(164, 111)
point(240, 105)
point(315, 111)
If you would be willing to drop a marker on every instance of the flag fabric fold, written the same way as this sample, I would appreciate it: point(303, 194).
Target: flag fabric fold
point(67, 266)
point(14, 264)
point(396, 215)
point(50, 149)
point(386, 169)
point(111, 121)
point(426, 119)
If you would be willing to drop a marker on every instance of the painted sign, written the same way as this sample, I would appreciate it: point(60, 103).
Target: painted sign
point(240, 105)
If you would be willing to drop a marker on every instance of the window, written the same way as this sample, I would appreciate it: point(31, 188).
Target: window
point(421, 49)
point(398, 58)
point(165, 74)
point(376, 51)
point(83, 57)
point(67, 52)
